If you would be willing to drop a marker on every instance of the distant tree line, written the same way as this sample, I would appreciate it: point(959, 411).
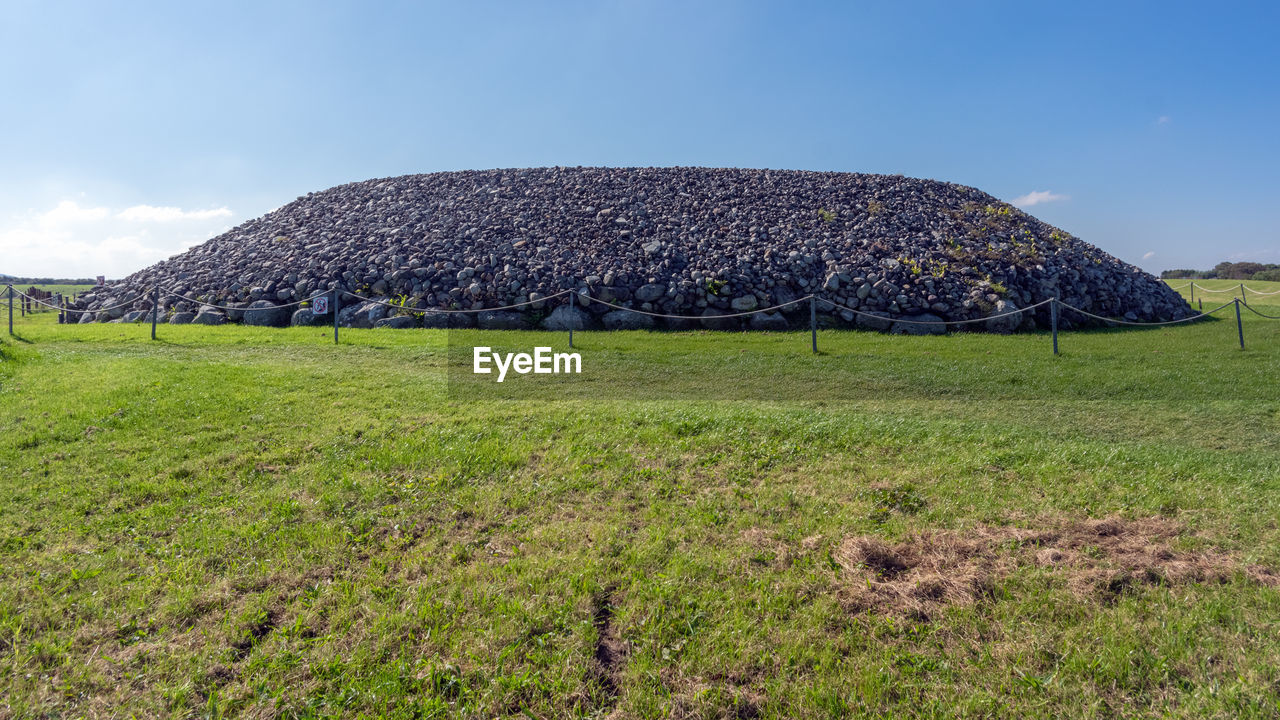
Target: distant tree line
point(1230, 271)
point(9, 279)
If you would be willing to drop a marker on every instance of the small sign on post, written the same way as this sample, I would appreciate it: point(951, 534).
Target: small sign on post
point(320, 305)
point(102, 280)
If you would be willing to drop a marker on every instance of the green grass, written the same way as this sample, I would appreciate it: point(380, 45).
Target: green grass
point(249, 522)
point(1221, 291)
point(67, 290)
point(64, 289)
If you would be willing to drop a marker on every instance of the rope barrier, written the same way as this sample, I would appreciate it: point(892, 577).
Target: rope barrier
point(1146, 324)
point(832, 304)
point(1217, 292)
point(173, 294)
point(1232, 290)
point(1255, 312)
point(135, 299)
point(702, 317)
point(1019, 311)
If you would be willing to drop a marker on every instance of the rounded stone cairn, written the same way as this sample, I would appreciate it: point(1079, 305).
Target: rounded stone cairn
point(878, 251)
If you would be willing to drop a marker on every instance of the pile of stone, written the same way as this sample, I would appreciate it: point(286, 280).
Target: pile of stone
point(694, 242)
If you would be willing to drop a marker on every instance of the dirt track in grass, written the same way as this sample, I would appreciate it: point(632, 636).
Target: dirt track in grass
point(1098, 559)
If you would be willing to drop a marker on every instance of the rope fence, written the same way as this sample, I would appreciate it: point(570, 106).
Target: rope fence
point(1240, 288)
point(224, 308)
point(1056, 308)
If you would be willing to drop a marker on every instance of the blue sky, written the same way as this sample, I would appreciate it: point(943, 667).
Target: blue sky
point(132, 130)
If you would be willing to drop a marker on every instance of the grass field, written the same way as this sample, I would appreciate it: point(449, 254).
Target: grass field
point(1221, 291)
point(255, 523)
point(67, 290)
point(64, 289)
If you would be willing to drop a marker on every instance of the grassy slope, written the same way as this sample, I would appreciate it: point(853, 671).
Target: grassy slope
point(255, 522)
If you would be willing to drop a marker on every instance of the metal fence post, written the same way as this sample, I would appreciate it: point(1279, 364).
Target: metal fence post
point(10, 309)
point(571, 317)
point(337, 296)
point(1243, 297)
point(1239, 325)
point(1193, 291)
point(813, 323)
point(1053, 322)
point(62, 312)
point(155, 309)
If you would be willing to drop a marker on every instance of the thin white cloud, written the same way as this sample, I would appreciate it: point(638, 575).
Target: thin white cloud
point(69, 212)
point(151, 213)
point(74, 240)
point(1038, 197)
point(1164, 120)
point(1149, 255)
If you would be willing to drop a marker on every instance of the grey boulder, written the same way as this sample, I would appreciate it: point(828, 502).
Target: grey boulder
point(304, 317)
point(397, 322)
point(712, 321)
point(565, 317)
point(626, 320)
point(209, 316)
point(264, 313)
point(362, 315)
point(874, 320)
point(768, 321)
point(447, 320)
point(501, 320)
point(923, 325)
point(650, 292)
point(1009, 322)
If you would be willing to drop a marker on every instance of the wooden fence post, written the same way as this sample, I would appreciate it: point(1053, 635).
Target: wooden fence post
point(813, 323)
point(1239, 325)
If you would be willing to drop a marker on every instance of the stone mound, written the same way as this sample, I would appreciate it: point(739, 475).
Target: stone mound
point(678, 241)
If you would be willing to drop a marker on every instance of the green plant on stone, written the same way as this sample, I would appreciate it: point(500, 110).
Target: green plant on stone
point(826, 215)
point(715, 286)
point(401, 305)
